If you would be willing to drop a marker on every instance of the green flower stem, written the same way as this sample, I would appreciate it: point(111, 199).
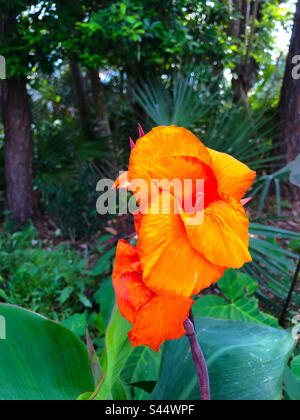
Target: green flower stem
point(199, 360)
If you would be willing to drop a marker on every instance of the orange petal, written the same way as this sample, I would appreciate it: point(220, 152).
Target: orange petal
point(207, 274)
point(170, 264)
point(171, 141)
point(137, 220)
point(122, 181)
point(188, 170)
point(234, 178)
point(131, 293)
point(223, 237)
point(159, 320)
point(168, 153)
point(126, 258)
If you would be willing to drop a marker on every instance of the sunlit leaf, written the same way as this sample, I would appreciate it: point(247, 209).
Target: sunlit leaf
point(40, 359)
point(245, 362)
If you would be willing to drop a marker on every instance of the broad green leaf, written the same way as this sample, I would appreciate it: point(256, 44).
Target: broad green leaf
point(118, 350)
point(119, 391)
point(142, 365)
point(86, 396)
point(142, 370)
point(292, 380)
point(240, 305)
point(146, 386)
point(40, 359)
point(125, 365)
point(245, 362)
point(292, 385)
point(295, 366)
point(235, 285)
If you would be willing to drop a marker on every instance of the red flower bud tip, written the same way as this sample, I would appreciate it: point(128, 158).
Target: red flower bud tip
point(246, 201)
point(132, 145)
point(141, 131)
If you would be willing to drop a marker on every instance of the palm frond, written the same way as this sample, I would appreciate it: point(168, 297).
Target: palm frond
point(272, 266)
point(182, 104)
point(221, 126)
point(263, 186)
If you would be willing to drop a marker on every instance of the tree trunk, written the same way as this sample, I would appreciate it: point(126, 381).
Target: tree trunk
point(18, 151)
point(82, 99)
point(103, 125)
point(246, 70)
point(289, 107)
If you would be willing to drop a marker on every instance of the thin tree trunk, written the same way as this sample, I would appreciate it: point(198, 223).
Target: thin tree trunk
point(82, 99)
point(289, 107)
point(20, 196)
point(103, 125)
point(121, 94)
point(246, 70)
point(235, 28)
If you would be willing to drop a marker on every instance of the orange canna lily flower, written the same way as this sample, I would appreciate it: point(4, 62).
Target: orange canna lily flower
point(180, 258)
point(155, 318)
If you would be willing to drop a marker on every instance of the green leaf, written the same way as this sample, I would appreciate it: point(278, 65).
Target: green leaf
point(3, 295)
point(118, 349)
point(142, 365)
point(125, 364)
point(104, 264)
point(65, 294)
point(147, 386)
point(97, 322)
point(238, 288)
point(292, 380)
point(105, 296)
point(245, 362)
point(295, 172)
point(86, 396)
point(77, 324)
point(123, 9)
point(84, 300)
point(142, 370)
point(294, 245)
point(295, 366)
point(179, 106)
point(119, 392)
point(272, 232)
point(94, 360)
point(272, 266)
point(40, 359)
